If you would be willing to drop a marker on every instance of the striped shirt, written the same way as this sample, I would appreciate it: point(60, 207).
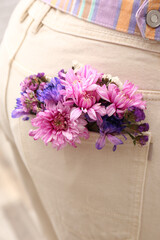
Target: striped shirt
point(127, 16)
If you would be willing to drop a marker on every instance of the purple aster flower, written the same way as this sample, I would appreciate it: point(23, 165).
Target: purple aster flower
point(51, 92)
point(109, 127)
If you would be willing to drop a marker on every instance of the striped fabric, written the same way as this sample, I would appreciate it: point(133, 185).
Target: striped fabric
point(127, 16)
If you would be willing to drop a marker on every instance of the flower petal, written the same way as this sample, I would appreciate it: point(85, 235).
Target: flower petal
point(102, 91)
point(101, 142)
point(67, 134)
point(75, 113)
point(114, 139)
point(92, 87)
point(92, 114)
point(16, 113)
point(110, 110)
point(68, 103)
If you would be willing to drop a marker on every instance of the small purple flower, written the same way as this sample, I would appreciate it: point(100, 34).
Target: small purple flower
point(144, 127)
point(142, 140)
point(138, 113)
point(110, 127)
point(33, 82)
point(40, 75)
point(28, 102)
point(51, 92)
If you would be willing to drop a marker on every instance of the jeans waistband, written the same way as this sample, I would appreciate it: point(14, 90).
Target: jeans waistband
point(63, 22)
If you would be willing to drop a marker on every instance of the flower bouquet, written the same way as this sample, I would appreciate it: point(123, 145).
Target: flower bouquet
point(75, 102)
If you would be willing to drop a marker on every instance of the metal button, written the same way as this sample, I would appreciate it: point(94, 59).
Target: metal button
point(153, 18)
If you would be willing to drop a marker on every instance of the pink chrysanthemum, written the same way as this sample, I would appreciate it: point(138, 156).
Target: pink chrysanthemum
point(80, 89)
point(130, 91)
point(56, 126)
point(121, 100)
point(83, 80)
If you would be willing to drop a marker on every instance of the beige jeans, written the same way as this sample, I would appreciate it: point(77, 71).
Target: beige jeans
point(85, 194)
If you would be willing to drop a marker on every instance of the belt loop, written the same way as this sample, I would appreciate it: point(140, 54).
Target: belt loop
point(24, 14)
point(39, 17)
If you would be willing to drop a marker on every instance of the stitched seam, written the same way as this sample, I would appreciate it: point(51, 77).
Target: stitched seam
point(11, 61)
point(136, 196)
point(52, 232)
point(130, 37)
point(92, 29)
point(152, 99)
point(133, 43)
point(72, 14)
point(142, 191)
point(8, 77)
point(151, 92)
